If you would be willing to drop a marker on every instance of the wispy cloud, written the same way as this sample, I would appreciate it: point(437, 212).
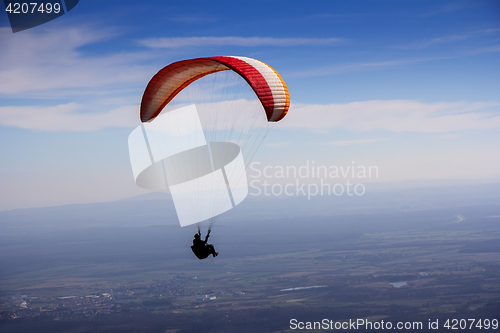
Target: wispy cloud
point(434, 41)
point(341, 143)
point(361, 66)
point(278, 144)
point(192, 19)
point(396, 116)
point(450, 39)
point(179, 42)
point(381, 65)
point(391, 115)
point(52, 64)
point(488, 49)
point(449, 8)
point(67, 117)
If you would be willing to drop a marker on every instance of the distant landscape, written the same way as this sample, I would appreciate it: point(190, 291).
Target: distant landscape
point(397, 255)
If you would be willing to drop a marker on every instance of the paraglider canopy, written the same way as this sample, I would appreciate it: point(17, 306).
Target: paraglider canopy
point(169, 81)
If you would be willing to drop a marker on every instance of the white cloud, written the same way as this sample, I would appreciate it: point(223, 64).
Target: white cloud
point(451, 39)
point(395, 116)
point(438, 40)
point(386, 64)
point(392, 115)
point(449, 7)
point(192, 18)
point(66, 117)
point(278, 144)
point(361, 66)
point(342, 143)
point(179, 42)
point(52, 64)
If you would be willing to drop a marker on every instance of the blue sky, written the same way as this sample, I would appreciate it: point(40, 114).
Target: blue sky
point(409, 86)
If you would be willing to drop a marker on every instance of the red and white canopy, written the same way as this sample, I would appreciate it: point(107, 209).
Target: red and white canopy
point(169, 81)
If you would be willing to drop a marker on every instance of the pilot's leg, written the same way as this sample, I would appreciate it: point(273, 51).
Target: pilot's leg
point(212, 250)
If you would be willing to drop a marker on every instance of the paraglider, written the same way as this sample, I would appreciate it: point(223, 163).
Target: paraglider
point(196, 127)
point(200, 248)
